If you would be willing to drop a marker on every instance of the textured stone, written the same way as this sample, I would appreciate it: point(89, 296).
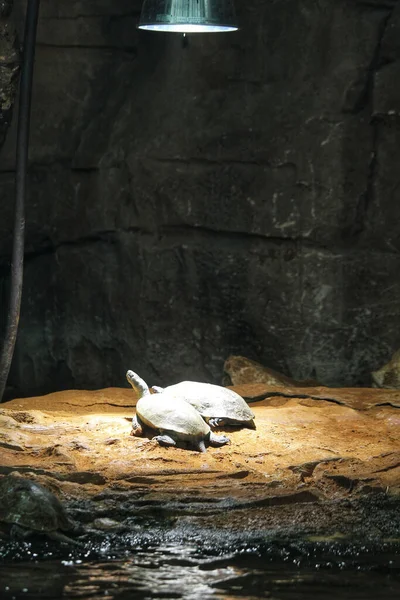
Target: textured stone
point(383, 208)
point(240, 370)
point(362, 399)
point(237, 196)
point(208, 301)
point(106, 31)
point(9, 67)
point(76, 9)
point(388, 376)
point(354, 441)
point(322, 462)
point(387, 95)
point(390, 48)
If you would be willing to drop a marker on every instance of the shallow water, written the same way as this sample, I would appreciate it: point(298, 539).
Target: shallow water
point(166, 565)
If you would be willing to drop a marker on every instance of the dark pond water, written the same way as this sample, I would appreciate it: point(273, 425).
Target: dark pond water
point(203, 566)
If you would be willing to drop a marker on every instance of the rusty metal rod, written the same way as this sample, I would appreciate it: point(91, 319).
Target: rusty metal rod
point(17, 260)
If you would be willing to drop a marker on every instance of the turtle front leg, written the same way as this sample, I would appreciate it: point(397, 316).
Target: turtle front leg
point(164, 440)
point(19, 533)
point(137, 429)
point(218, 440)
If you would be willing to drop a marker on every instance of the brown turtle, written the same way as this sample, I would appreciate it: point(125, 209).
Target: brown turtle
point(171, 417)
point(28, 508)
point(216, 404)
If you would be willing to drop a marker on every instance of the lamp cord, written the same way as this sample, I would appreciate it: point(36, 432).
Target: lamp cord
point(17, 260)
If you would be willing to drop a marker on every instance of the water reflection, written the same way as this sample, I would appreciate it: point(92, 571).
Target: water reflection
point(290, 571)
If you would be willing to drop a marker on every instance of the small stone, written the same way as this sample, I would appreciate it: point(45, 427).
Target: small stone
point(239, 370)
point(78, 445)
point(388, 376)
point(105, 524)
point(110, 441)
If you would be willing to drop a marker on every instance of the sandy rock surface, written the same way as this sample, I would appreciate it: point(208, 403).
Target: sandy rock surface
point(328, 442)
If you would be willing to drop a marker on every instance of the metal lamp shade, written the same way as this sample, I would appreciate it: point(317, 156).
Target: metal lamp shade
point(188, 16)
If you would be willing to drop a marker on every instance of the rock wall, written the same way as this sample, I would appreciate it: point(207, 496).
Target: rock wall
point(239, 195)
point(9, 66)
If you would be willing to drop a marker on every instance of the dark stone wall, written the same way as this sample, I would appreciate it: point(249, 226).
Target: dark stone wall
point(240, 195)
point(9, 66)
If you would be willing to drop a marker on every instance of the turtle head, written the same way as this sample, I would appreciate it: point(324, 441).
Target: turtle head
point(138, 384)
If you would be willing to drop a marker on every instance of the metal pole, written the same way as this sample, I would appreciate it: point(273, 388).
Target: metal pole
point(17, 261)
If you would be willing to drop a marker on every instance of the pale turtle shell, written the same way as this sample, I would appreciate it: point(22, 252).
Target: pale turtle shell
point(211, 401)
point(171, 413)
point(28, 504)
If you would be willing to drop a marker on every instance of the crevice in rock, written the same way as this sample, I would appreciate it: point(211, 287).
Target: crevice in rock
point(388, 468)
point(65, 165)
point(297, 396)
point(173, 235)
point(118, 405)
point(307, 469)
point(49, 248)
point(124, 49)
point(201, 162)
point(365, 102)
point(107, 16)
point(196, 508)
point(186, 230)
point(344, 482)
point(80, 477)
point(393, 404)
point(192, 162)
point(189, 235)
point(378, 5)
point(90, 170)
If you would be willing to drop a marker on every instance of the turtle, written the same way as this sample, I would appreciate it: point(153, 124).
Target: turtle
point(216, 404)
point(28, 508)
point(172, 417)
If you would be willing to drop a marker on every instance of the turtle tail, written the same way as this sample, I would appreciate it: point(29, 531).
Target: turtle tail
point(201, 446)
